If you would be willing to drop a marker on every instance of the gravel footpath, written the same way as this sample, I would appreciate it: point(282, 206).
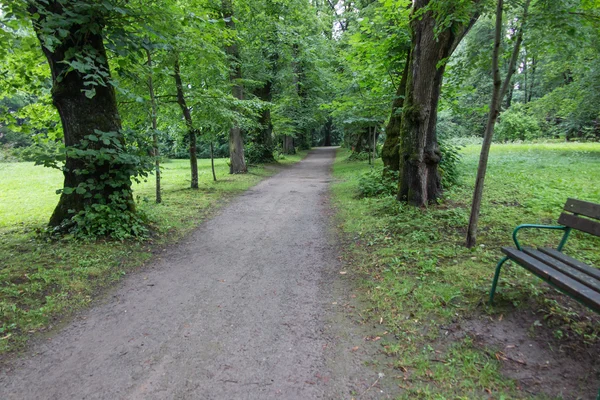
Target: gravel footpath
point(241, 309)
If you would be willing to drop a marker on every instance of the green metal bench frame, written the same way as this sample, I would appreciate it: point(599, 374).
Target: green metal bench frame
point(562, 244)
point(579, 215)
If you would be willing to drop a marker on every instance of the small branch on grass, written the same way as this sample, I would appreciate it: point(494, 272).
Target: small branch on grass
point(381, 375)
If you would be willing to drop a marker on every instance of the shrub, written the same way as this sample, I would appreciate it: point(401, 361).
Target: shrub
point(362, 156)
point(258, 153)
point(516, 124)
point(447, 127)
point(376, 183)
point(114, 220)
point(449, 164)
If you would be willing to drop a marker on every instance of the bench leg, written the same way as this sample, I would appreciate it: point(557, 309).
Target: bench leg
point(495, 281)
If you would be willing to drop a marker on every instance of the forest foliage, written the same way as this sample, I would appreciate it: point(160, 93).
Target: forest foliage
point(303, 73)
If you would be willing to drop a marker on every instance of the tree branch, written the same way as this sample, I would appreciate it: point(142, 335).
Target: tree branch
point(512, 66)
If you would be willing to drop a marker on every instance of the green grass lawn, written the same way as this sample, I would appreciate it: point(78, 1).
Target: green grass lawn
point(44, 280)
point(417, 276)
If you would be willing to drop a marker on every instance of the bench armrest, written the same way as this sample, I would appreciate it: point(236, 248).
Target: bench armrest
point(563, 241)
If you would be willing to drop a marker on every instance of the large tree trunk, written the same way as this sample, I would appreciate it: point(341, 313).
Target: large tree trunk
point(390, 153)
point(188, 122)
point(81, 115)
point(420, 155)
point(237, 163)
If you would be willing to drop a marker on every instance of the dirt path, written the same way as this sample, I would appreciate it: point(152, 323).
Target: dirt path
point(241, 310)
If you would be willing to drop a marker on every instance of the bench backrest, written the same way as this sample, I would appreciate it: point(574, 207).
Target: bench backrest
point(581, 215)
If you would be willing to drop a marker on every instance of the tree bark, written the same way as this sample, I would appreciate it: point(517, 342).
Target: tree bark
point(375, 135)
point(188, 122)
point(390, 153)
point(327, 132)
point(525, 77)
point(212, 161)
point(420, 154)
point(265, 134)
point(509, 97)
point(80, 115)
point(237, 162)
point(358, 146)
point(288, 145)
point(533, 69)
point(156, 151)
point(497, 96)
point(369, 142)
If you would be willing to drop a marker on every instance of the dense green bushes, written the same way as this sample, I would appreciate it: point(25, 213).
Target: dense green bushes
point(516, 124)
point(375, 183)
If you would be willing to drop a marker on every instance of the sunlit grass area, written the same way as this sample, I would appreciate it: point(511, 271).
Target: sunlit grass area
point(417, 276)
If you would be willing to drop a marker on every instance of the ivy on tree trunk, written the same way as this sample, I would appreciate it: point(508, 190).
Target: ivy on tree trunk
point(86, 103)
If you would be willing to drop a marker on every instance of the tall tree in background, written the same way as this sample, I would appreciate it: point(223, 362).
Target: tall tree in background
point(261, 38)
point(71, 35)
point(154, 120)
point(236, 142)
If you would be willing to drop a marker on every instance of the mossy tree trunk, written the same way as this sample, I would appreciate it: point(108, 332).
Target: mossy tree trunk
point(420, 154)
point(81, 111)
point(390, 153)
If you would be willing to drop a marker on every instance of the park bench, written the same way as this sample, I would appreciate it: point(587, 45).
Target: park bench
point(574, 278)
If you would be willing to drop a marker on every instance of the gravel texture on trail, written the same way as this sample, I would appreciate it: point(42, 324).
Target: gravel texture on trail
point(243, 308)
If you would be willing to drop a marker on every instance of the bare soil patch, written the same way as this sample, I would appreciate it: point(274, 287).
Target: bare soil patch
point(539, 362)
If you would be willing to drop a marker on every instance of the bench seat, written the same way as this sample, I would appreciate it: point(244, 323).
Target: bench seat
point(574, 278)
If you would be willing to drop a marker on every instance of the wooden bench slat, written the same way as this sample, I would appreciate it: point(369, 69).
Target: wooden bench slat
point(595, 272)
point(570, 286)
point(580, 223)
point(581, 207)
point(558, 265)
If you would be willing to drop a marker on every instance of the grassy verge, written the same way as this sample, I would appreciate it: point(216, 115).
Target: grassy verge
point(418, 278)
point(41, 281)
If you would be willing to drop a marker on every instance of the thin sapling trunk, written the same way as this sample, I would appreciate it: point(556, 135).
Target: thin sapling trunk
point(156, 151)
point(500, 90)
point(188, 122)
point(212, 161)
